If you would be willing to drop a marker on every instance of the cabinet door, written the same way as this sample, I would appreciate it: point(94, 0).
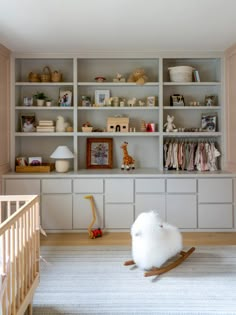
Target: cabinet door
point(181, 185)
point(82, 211)
point(119, 190)
point(57, 212)
point(215, 190)
point(22, 187)
point(181, 210)
point(119, 216)
point(88, 186)
point(150, 185)
point(215, 216)
point(144, 203)
point(56, 186)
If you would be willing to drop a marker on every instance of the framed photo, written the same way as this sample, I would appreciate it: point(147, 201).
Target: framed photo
point(209, 122)
point(102, 97)
point(151, 100)
point(176, 100)
point(65, 98)
point(28, 122)
point(35, 161)
point(99, 152)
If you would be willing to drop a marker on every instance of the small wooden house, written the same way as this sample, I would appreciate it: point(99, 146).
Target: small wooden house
point(117, 124)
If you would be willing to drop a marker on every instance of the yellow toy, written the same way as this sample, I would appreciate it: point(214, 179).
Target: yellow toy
point(138, 76)
point(97, 232)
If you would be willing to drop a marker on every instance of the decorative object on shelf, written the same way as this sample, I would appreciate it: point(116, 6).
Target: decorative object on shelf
point(43, 168)
point(118, 124)
point(102, 97)
point(128, 161)
point(34, 77)
point(100, 79)
point(46, 75)
point(28, 101)
point(62, 155)
point(56, 76)
point(196, 76)
point(170, 126)
point(131, 102)
point(181, 74)
point(141, 103)
point(151, 100)
point(35, 161)
point(210, 100)
point(86, 101)
point(45, 126)
point(28, 122)
point(48, 102)
point(61, 125)
point(87, 127)
point(194, 103)
point(143, 126)
point(99, 153)
point(162, 240)
point(40, 98)
point(95, 232)
point(150, 127)
point(119, 78)
point(65, 98)
point(177, 100)
point(138, 76)
point(209, 122)
point(21, 161)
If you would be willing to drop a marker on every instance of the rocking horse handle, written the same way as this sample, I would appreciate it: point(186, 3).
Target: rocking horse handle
point(90, 197)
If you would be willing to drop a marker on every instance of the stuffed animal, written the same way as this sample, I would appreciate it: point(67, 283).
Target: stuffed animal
point(154, 241)
point(138, 76)
point(61, 125)
point(131, 102)
point(170, 126)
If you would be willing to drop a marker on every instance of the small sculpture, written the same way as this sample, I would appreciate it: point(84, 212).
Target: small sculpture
point(119, 78)
point(170, 126)
point(61, 125)
point(128, 161)
point(131, 102)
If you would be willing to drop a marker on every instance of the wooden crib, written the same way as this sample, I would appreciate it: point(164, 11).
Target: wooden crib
point(19, 253)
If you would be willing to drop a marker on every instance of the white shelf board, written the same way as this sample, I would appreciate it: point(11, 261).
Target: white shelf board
point(43, 83)
point(192, 83)
point(43, 134)
point(118, 134)
point(116, 84)
point(118, 108)
point(192, 107)
point(44, 107)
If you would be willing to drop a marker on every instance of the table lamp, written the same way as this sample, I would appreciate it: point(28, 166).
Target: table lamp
point(62, 154)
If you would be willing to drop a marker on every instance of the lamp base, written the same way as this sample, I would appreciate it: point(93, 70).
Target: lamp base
point(62, 166)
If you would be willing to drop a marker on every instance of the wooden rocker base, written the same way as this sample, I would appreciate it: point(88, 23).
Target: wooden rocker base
point(158, 271)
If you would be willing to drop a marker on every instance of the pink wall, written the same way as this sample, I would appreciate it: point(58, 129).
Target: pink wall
point(4, 111)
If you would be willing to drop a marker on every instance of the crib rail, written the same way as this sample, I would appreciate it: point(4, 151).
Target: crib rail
point(19, 251)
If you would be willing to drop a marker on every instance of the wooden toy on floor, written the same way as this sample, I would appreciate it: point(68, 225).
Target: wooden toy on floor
point(96, 232)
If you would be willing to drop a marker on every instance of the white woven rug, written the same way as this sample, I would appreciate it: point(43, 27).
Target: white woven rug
point(93, 280)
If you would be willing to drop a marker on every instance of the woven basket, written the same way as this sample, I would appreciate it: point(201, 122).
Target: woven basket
point(46, 75)
point(56, 76)
point(181, 74)
point(33, 77)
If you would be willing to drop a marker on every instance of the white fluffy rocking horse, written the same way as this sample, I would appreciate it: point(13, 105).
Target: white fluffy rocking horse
point(154, 242)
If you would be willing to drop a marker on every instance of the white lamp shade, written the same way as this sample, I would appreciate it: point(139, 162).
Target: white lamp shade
point(62, 152)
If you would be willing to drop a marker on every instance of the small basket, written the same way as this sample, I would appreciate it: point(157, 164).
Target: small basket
point(56, 76)
point(87, 129)
point(46, 75)
point(181, 74)
point(33, 77)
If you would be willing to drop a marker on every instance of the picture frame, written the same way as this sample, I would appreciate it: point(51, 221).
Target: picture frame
point(151, 101)
point(209, 122)
point(28, 122)
point(65, 98)
point(101, 97)
point(99, 153)
point(177, 100)
point(35, 160)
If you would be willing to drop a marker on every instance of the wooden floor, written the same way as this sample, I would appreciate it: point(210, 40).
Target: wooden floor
point(122, 238)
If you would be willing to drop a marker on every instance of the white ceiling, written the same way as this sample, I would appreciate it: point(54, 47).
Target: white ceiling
point(80, 26)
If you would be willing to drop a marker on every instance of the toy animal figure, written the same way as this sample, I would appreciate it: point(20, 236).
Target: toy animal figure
point(95, 232)
point(61, 125)
point(170, 126)
point(128, 161)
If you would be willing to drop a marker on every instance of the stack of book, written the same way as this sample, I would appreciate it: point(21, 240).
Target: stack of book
point(45, 126)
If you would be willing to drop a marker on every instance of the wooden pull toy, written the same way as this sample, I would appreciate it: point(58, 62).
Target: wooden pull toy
point(96, 232)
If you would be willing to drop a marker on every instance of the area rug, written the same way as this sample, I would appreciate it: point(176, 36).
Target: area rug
point(93, 280)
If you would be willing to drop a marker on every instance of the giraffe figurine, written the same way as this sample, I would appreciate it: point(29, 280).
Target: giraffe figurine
point(128, 161)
